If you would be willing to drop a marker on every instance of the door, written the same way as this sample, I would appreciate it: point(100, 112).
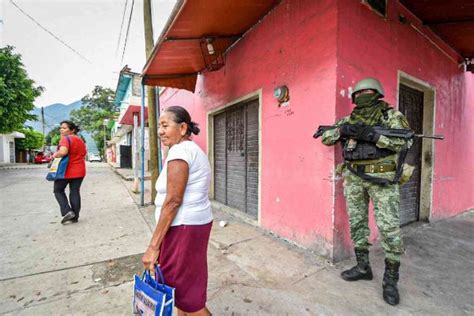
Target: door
point(125, 156)
point(236, 158)
point(411, 104)
point(12, 152)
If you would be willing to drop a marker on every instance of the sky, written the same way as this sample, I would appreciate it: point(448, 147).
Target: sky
point(92, 28)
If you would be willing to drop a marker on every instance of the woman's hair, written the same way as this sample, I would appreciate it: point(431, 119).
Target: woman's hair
point(73, 127)
point(182, 116)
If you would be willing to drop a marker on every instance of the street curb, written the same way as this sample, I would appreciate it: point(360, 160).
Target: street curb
point(22, 167)
point(125, 177)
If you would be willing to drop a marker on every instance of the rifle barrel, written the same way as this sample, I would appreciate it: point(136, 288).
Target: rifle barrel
point(441, 137)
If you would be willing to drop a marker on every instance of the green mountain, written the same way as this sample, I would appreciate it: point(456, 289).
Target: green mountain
point(53, 115)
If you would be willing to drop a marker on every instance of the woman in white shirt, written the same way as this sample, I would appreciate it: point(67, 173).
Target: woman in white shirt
point(183, 214)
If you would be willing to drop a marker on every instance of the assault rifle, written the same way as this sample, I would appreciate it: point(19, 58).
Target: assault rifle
point(389, 132)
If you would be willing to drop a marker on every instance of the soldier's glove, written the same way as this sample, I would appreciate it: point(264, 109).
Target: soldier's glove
point(368, 134)
point(351, 130)
point(319, 132)
point(360, 132)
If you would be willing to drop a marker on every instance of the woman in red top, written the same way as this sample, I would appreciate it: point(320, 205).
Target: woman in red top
point(73, 146)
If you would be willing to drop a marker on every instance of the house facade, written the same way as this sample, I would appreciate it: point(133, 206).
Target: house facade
point(266, 166)
point(125, 140)
point(7, 147)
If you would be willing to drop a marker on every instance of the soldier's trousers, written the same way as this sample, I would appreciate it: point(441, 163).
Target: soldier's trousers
point(386, 201)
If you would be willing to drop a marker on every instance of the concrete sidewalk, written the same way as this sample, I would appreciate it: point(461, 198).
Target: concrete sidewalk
point(87, 268)
point(252, 272)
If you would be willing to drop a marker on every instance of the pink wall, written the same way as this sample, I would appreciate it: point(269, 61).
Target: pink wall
point(369, 45)
point(453, 190)
point(184, 98)
point(296, 46)
point(319, 49)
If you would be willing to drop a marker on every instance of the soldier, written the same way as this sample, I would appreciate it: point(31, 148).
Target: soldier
point(370, 172)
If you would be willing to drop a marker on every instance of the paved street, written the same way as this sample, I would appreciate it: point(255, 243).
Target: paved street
point(82, 268)
point(86, 268)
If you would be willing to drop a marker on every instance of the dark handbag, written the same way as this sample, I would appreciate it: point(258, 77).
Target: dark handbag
point(150, 297)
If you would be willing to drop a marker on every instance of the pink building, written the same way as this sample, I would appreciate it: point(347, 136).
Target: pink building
point(267, 167)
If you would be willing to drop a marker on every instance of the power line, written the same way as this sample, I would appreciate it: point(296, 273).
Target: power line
point(49, 32)
point(128, 29)
point(121, 28)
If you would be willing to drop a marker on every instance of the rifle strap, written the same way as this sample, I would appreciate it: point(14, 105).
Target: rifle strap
point(381, 181)
point(401, 161)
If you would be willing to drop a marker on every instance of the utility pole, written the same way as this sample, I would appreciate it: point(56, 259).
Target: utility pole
point(42, 124)
point(136, 154)
point(152, 119)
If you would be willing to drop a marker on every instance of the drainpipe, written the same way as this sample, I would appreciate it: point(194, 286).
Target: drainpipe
point(142, 149)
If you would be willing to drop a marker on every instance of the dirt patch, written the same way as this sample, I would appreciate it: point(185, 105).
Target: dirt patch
point(117, 271)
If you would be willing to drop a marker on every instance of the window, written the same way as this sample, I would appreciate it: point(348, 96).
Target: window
point(379, 6)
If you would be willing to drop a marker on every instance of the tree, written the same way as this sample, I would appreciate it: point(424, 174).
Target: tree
point(53, 137)
point(101, 98)
point(33, 140)
point(97, 107)
point(55, 140)
point(17, 92)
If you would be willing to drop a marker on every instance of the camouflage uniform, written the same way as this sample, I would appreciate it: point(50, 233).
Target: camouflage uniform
point(358, 191)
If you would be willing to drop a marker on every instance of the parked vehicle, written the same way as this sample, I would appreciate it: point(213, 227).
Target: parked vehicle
point(94, 158)
point(42, 157)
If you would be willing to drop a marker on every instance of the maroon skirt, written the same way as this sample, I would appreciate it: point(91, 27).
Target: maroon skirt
point(183, 260)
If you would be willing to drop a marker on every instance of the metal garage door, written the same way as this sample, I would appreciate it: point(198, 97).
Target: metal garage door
point(236, 158)
point(411, 104)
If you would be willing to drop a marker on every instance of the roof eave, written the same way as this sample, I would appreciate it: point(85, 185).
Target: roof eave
point(174, 14)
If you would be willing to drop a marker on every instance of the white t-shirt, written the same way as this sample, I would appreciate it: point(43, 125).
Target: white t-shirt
point(196, 207)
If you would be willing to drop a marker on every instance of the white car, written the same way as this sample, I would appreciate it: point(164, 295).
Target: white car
point(94, 158)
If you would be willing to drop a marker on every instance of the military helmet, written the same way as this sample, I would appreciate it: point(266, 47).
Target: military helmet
point(368, 83)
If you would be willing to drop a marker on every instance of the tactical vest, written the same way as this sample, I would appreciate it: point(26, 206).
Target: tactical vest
point(363, 151)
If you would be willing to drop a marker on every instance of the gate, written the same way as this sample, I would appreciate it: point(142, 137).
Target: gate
point(125, 156)
point(236, 158)
point(411, 104)
point(12, 151)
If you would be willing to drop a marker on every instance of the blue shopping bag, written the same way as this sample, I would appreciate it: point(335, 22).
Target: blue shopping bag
point(58, 167)
point(150, 297)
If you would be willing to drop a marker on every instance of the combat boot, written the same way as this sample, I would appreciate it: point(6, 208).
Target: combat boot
point(362, 270)
point(390, 280)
